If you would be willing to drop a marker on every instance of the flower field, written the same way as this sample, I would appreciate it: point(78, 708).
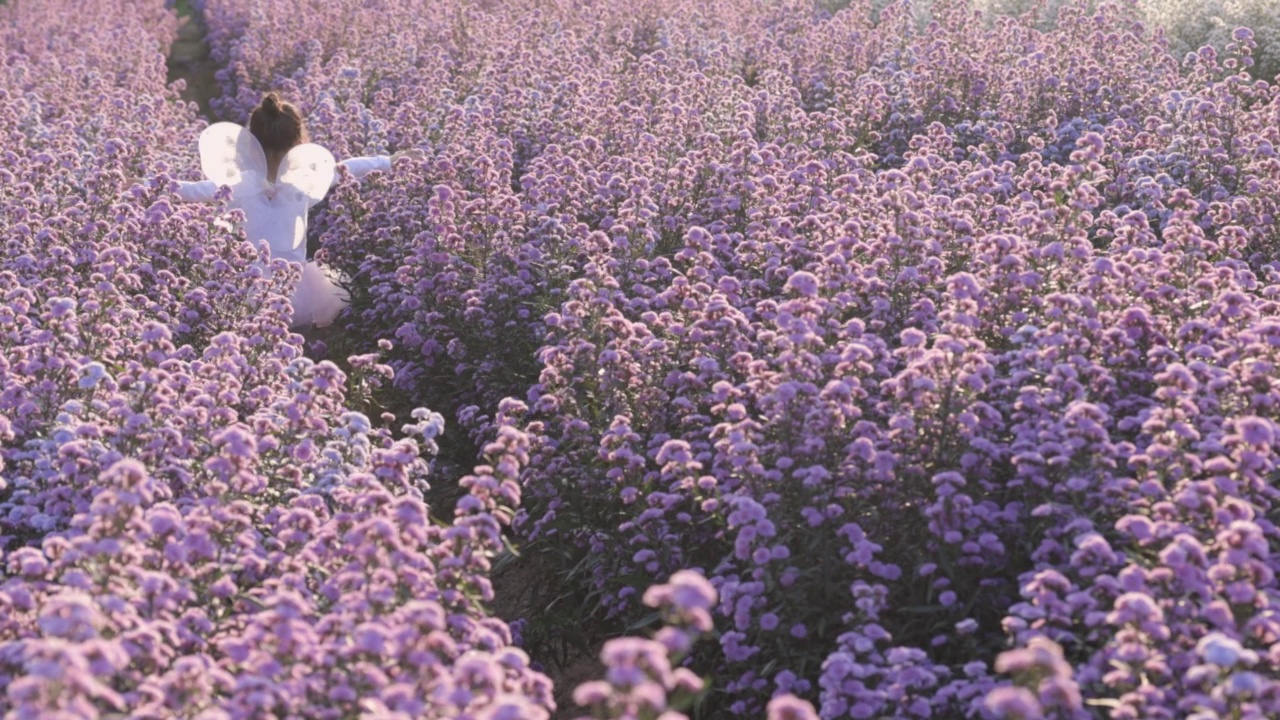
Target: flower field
point(806, 359)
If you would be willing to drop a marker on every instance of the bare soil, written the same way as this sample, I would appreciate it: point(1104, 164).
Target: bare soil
point(189, 60)
point(519, 591)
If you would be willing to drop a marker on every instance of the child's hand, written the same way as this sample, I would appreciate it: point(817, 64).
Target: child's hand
point(415, 154)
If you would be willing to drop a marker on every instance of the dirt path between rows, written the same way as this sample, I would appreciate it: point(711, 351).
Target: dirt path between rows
point(189, 60)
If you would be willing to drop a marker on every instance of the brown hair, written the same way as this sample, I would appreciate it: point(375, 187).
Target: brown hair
point(277, 124)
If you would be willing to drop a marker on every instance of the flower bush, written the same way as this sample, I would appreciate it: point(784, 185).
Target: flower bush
point(881, 325)
point(922, 358)
point(195, 519)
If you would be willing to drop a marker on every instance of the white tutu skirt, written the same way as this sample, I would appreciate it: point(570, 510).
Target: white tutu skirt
point(318, 299)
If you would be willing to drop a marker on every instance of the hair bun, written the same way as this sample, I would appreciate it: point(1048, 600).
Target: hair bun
point(276, 124)
point(271, 104)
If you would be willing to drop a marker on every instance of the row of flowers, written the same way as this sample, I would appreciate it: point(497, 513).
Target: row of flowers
point(196, 520)
point(922, 345)
point(944, 357)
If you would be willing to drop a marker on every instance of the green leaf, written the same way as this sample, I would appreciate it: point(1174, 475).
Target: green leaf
point(651, 619)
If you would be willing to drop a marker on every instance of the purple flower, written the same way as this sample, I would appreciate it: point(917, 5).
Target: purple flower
point(1220, 650)
point(1015, 703)
point(803, 283)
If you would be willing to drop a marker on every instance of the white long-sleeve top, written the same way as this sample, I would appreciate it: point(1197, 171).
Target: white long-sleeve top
point(280, 218)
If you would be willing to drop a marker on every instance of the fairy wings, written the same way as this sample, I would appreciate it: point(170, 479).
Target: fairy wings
point(231, 155)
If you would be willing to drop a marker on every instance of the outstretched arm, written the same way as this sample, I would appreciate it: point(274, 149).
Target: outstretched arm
point(202, 191)
point(361, 166)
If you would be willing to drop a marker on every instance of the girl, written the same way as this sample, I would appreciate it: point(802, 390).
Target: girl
point(276, 175)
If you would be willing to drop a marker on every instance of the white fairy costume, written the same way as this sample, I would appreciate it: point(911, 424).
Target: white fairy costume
point(277, 211)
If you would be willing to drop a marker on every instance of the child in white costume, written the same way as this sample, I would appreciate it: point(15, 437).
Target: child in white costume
point(275, 177)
